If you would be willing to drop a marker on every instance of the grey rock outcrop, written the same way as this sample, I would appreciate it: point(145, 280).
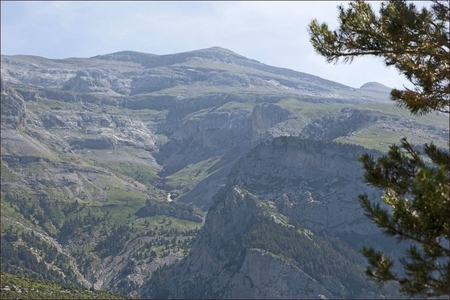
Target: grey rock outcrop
point(264, 118)
point(13, 109)
point(348, 121)
point(315, 182)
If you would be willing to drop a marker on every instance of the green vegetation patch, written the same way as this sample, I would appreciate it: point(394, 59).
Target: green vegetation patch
point(20, 287)
point(25, 253)
point(379, 139)
point(437, 119)
point(376, 139)
point(6, 173)
point(53, 104)
point(139, 172)
point(310, 110)
point(121, 197)
point(185, 179)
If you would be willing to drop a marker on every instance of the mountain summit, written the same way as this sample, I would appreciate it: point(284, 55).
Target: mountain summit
point(132, 73)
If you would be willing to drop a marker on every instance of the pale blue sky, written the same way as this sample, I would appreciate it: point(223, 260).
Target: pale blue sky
point(273, 33)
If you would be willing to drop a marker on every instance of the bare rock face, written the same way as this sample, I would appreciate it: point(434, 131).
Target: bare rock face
point(315, 182)
point(264, 117)
point(101, 143)
point(83, 82)
point(349, 120)
point(98, 81)
point(12, 108)
point(264, 276)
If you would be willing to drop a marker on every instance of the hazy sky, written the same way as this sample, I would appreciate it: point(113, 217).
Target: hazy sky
point(273, 33)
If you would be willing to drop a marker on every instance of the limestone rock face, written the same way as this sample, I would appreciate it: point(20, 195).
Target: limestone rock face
point(317, 183)
point(101, 143)
point(264, 118)
point(348, 121)
point(263, 276)
point(12, 108)
point(85, 82)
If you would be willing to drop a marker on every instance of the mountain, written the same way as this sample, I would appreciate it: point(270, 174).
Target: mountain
point(272, 231)
point(120, 171)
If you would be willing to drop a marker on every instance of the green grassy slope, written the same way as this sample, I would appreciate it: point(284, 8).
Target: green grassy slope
point(19, 287)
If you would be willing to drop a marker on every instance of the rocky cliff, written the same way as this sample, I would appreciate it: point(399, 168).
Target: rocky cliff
point(293, 191)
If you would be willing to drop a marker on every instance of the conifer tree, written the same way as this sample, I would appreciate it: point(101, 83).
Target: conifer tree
point(416, 204)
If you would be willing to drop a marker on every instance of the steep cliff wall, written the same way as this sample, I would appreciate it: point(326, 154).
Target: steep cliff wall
point(315, 182)
point(272, 230)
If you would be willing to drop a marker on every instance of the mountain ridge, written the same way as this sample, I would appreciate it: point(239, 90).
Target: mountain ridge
point(153, 60)
point(116, 165)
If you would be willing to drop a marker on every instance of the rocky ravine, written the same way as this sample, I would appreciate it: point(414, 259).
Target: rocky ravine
point(284, 182)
